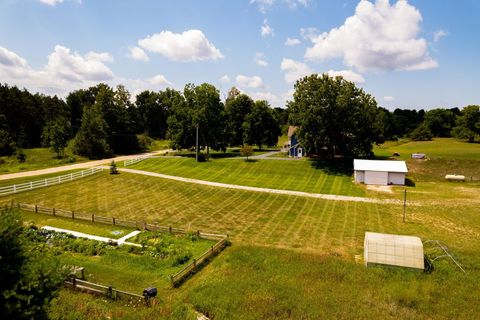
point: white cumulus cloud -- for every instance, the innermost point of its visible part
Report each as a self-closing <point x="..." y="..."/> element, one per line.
<point x="137" y="53"/>
<point x="249" y="82"/>
<point x="294" y="70"/>
<point x="260" y="59"/>
<point x="388" y="98"/>
<point x="379" y="36"/>
<point x="266" y="30"/>
<point x="159" y="80"/>
<point x="225" y="79"/>
<point x="292" y="42"/>
<point x="66" y="71"/>
<point x="190" y="45"/>
<point x="51" y="2"/>
<point x="271" y="98"/>
<point x="348" y="75"/>
<point x="439" y="34"/>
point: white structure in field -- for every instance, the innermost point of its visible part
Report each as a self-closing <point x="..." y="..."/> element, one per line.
<point x="393" y="250"/>
<point x="383" y="172"/>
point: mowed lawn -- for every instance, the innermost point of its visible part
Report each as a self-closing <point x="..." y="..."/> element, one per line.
<point x="254" y="217"/>
<point x="301" y="175"/>
<point x="444" y="156"/>
<point x="291" y="257"/>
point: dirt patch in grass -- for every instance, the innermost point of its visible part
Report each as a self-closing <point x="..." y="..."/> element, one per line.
<point x="384" y="189"/>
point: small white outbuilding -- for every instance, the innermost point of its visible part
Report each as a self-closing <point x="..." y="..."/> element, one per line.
<point x="393" y="250"/>
<point x="382" y="172"/>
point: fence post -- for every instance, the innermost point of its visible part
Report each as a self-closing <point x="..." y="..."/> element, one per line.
<point x="113" y="221"/>
<point x="58" y="179"/>
<point x="74" y="282"/>
<point x="171" y="280"/>
<point x="71" y="176"/>
<point x="212" y="249"/>
<point x="46" y="183"/>
<point x="73" y="215"/>
<point x="31" y="185"/>
<point x="53" y="211"/>
<point x="36" y="209"/>
<point x="14" y="188"/>
<point x="93" y="217"/>
<point x="170" y="229"/>
<point x="194" y="263"/>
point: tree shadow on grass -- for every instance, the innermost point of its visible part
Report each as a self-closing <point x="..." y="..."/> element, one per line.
<point x="409" y="182"/>
<point x="343" y="166"/>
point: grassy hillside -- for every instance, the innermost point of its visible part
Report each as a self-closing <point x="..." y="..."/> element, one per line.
<point x="37" y="158"/>
<point x="444" y="156"/>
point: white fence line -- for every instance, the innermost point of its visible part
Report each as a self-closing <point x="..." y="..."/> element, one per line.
<point x="129" y="162"/>
<point x="16" y="188"/>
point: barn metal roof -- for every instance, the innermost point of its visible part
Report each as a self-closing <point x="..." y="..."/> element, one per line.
<point x="380" y="165"/>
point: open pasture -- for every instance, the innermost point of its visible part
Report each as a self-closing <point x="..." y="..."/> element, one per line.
<point x="445" y="156"/>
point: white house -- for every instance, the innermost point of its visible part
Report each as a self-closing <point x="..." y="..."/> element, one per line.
<point x="383" y="172"/>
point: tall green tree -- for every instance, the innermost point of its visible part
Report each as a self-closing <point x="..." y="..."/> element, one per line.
<point x="201" y="107"/>
<point x="260" y="126"/>
<point x="237" y="107"/>
<point x="440" y="122"/>
<point x="56" y="135"/>
<point x="468" y="124"/>
<point x="91" y="139"/>
<point x="30" y="276"/>
<point x="334" y="117"/>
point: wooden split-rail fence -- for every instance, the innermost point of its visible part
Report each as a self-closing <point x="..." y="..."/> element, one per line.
<point x="175" y="279"/>
<point x="99" y="289"/>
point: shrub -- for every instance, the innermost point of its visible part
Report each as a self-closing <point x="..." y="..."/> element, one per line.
<point x="21" y="157"/>
<point x="421" y="133"/>
<point x="144" y="142"/>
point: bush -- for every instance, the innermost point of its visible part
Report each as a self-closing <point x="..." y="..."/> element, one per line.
<point x="21" y="157"/>
<point x="181" y="257"/>
<point x="421" y="133"/>
<point x="144" y="142"/>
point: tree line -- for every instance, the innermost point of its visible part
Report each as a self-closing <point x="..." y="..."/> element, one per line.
<point x="333" y="115"/>
<point x="100" y="121"/>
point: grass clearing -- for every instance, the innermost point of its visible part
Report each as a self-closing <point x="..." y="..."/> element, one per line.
<point x="288" y="175"/>
<point x="445" y="156"/>
<point x="37" y="158"/>
<point x="98" y="229"/>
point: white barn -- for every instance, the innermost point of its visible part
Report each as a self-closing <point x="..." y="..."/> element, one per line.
<point x="382" y="172"/>
<point x="393" y="250"/>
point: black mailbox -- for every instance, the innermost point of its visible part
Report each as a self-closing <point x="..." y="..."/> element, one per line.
<point x="150" y="292"/>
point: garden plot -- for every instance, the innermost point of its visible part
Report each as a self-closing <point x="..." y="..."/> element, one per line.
<point x="149" y="262"/>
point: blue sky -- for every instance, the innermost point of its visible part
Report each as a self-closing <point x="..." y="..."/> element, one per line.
<point x="408" y="54"/>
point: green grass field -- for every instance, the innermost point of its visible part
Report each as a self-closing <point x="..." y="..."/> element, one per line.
<point x="37" y="158"/>
<point x="299" y="175"/>
<point x="445" y="156"/>
<point x="291" y="257"/>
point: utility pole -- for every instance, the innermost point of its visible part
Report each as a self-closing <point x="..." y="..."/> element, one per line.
<point x="404" y="205"/>
<point x="196" y="147"/>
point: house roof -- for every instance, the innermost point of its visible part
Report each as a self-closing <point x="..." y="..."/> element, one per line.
<point x="291" y="131"/>
<point x="380" y="165"/>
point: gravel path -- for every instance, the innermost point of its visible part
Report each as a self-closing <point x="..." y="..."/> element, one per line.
<point x="97" y="238"/>
<point x="266" y="190"/>
<point x="82" y="165"/>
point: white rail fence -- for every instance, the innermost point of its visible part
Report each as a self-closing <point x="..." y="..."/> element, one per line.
<point x="129" y="162"/>
<point x="16" y="188"/>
